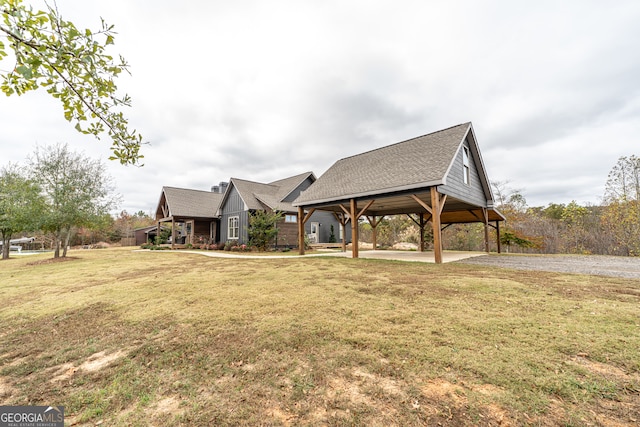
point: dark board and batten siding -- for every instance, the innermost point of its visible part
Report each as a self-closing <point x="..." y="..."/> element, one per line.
<point x="472" y="192"/>
<point x="234" y="206"/>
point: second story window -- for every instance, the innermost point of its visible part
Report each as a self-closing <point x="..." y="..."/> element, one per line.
<point x="465" y="165"/>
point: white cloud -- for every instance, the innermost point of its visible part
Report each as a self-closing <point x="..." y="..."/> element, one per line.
<point x="263" y="90"/>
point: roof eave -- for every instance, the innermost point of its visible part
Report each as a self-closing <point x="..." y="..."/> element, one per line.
<point x="370" y="194"/>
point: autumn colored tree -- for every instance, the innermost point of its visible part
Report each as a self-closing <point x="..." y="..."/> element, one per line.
<point x="622" y="213"/>
<point x="71" y="64"/>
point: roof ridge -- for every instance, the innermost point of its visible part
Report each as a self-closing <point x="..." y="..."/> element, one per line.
<point x="252" y="182"/>
<point x="407" y="140"/>
<point x="188" y="189"/>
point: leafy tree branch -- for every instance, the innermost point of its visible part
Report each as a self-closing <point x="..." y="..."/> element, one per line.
<point x="74" y="67"/>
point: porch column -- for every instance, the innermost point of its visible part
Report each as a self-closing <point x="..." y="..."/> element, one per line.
<point x="498" y="236"/>
<point x="421" y="225"/>
<point x="485" y="217"/>
<point x="374" y="230"/>
<point x="354" y="230"/>
<point x="300" y="230"/>
<point x="173" y="233"/>
<point x="435" y="222"/>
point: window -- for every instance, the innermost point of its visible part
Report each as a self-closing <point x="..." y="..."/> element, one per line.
<point x="291" y="218"/>
<point x="465" y="165"/>
<point x="234" y="227"/>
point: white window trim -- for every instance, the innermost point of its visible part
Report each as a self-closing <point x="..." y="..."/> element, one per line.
<point x="233" y="231"/>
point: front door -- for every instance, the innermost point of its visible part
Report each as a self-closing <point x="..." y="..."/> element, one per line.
<point x="314" y="235"/>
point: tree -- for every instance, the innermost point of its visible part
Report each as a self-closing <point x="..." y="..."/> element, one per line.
<point x="622" y="213"/>
<point x="623" y="181"/>
<point x="20" y="205"/>
<point x="74" y="67"/>
<point x="78" y="191"/>
<point x="262" y="228"/>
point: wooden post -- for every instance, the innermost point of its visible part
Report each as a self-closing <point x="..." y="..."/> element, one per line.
<point x="498" y="236"/>
<point x="374" y="230"/>
<point x="422" y="224"/>
<point x="485" y="214"/>
<point x="435" y="222"/>
<point x="300" y="230"/>
<point x="354" y="229"/>
<point x="342" y="219"/>
<point x="374" y="234"/>
<point x="173" y="233"/>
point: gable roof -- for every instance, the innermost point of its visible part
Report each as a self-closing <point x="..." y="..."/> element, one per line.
<point x="257" y="195"/>
<point x="183" y="202"/>
<point x="416" y="163"/>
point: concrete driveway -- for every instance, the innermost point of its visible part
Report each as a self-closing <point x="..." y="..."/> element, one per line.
<point x="447" y="256"/>
<point x="414" y="256"/>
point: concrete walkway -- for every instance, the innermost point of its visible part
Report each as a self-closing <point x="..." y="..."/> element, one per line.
<point x="411" y="256"/>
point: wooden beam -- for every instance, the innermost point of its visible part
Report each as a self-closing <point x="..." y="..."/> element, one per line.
<point x="346" y="211"/>
<point x="300" y="230"/>
<point x="435" y="222"/>
<point x="421" y="203"/>
<point x="308" y="215"/>
<point x="413" y="219"/>
<point x="354" y="230"/>
<point x="364" y="209"/>
<point x="443" y="200"/>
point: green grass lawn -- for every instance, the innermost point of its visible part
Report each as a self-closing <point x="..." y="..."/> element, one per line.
<point x="170" y="338"/>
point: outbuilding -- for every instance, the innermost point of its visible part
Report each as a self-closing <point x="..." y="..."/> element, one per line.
<point x="438" y="178"/>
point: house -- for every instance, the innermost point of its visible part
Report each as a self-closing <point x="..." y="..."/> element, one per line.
<point x="189" y="214"/>
<point x="222" y="214"/>
<point x="438" y="178"/>
<point x="243" y="197"/>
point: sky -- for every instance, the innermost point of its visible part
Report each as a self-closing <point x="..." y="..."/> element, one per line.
<point x="265" y="90"/>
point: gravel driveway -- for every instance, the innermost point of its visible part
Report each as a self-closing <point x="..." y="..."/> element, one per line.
<point x="599" y="265"/>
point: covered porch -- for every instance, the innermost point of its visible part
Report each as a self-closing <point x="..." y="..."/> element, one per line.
<point x="424" y="206"/>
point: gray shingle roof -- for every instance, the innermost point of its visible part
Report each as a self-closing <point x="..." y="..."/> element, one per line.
<point x="256" y="194"/>
<point x="421" y="161"/>
<point x="183" y="202"/>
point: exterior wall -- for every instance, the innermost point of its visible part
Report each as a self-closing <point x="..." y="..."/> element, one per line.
<point x="288" y="231"/>
<point x="472" y="192"/>
<point x="234" y="206"/>
<point x="326" y="220"/>
<point x="287" y="234"/>
<point x="141" y="235"/>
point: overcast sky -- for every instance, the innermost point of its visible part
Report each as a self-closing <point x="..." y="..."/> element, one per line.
<point x="265" y="90"/>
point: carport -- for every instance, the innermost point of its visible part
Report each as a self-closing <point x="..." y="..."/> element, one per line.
<point x="438" y="178"/>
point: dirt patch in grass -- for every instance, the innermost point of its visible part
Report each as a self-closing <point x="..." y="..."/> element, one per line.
<point x="52" y="260"/>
